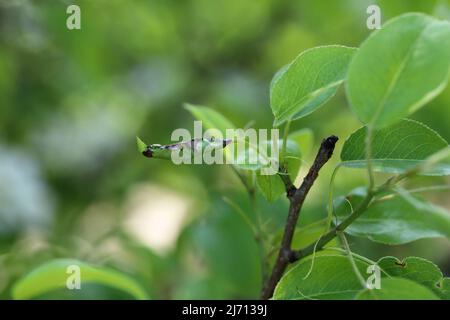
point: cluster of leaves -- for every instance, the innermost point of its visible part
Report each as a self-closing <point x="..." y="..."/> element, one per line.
<point x="334" y="278"/>
<point x="396" y="71"/>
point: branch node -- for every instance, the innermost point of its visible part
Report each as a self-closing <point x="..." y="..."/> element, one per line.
<point x="293" y="256"/>
<point x="291" y="191"/>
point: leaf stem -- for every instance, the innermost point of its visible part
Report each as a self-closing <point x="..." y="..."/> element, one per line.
<point x="241" y="214"/>
<point x="285" y="138"/>
<point x="241" y="177"/>
<point x="344" y="241"/>
<point x="368" y="143"/>
<point x="330" y="207"/>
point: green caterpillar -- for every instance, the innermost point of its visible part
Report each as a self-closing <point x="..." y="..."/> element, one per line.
<point x="165" y="151"/>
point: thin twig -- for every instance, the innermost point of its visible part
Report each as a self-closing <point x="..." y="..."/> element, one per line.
<point x="285" y="139"/>
<point x="288" y="184"/>
<point x="435" y="158"/>
<point x="296" y="255"/>
<point x="365" y="203"/>
<point x="296" y="198"/>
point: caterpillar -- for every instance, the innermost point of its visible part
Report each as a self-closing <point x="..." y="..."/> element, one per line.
<point x="159" y="151"/>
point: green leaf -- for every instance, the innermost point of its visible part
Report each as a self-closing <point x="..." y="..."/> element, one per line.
<point x="211" y="119"/>
<point x="228" y="252"/>
<point x="278" y="75"/>
<point x="399" y="68"/>
<point x="140" y="145"/>
<point x="413" y="268"/>
<point x="53" y="275"/>
<point x="397" y="289"/>
<point x="303" y="237"/>
<point x="251" y="157"/>
<point x="418" y="270"/>
<point x="306" y="235"/>
<point x="397" y="148"/>
<point x="308" y="82"/>
<point x="332" y="277"/>
<point x="395" y="219"/>
<point x="272" y="186"/>
<point x="304" y="139"/>
<point x="444" y="288"/>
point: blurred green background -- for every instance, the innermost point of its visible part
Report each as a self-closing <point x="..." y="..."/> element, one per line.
<point x="72" y="183"/>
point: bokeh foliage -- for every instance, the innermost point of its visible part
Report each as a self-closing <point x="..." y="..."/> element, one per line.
<point x="71" y="103"/>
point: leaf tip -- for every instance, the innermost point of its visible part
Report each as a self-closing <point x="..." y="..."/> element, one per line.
<point x="140" y="145"/>
<point x="188" y="106"/>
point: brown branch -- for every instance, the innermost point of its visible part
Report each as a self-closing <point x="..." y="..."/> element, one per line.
<point x="296" y="198"/>
<point x="288" y="185"/>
